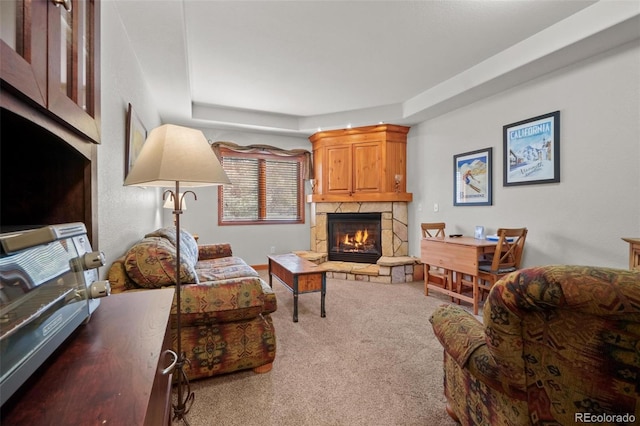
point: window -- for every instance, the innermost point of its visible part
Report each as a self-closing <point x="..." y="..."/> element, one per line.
<point x="265" y="188"/>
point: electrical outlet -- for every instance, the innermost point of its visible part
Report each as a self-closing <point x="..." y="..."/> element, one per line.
<point x="436" y="207"/>
<point x="273" y="249"/>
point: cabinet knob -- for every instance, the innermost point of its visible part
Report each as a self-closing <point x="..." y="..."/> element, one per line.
<point x="65" y="3"/>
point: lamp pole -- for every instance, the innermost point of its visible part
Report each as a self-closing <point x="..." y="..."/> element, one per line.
<point x="180" y="408"/>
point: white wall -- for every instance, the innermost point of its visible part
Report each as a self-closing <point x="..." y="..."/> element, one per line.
<point x="127" y="213"/>
<point x="124" y="213"/>
<point x="251" y="242"/>
<point x="577" y="221"/>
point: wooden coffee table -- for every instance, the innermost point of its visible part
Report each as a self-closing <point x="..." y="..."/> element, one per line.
<point x="298" y="275"/>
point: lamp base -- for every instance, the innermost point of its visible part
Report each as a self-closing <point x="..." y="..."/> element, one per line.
<point x="185" y="395"/>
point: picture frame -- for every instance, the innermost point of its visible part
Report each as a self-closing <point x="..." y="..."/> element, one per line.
<point x="135" y="138"/>
<point x="472" y="178"/>
<point x="532" y="150"/>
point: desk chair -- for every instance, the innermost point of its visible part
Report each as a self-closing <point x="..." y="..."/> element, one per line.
<point x="438" y="276"/>
<point x="505" y="259"/>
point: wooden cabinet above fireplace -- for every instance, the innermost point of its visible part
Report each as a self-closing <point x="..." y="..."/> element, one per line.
<point x="360" y="164"/>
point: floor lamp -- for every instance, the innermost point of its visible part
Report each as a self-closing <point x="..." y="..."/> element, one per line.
<point x="175" y="156"/>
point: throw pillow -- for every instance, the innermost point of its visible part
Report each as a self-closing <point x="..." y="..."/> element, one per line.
<point x="151" y="263"/>
<point x="188" y="244"/>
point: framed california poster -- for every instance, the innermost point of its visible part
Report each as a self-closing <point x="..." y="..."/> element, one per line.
<point x="472" y="178"/>
<point x="532" y="150"/>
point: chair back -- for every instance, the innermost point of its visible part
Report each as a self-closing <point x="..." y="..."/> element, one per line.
<point x="434" y="229"/>
<point x="508" y="254"/>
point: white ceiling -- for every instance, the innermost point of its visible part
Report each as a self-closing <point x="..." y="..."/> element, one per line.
<point x="293" y="67"/>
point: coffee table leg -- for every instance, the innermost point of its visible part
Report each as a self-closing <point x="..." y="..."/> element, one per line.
<point x="295" y="299"/>
<point x="323" y="292"/>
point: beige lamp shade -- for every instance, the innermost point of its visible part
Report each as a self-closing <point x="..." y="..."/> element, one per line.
<point x="169" y="203"/>
<point x="176" y="154"/>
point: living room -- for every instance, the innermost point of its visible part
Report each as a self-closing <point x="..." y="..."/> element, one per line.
<point x="579" y="220"/>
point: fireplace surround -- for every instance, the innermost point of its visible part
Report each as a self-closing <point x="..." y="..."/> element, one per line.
<point x="393" y="225"/>
<point x="394" y="266"/>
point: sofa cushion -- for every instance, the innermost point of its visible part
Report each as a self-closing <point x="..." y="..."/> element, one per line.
<point x="223" y="269"/>
<point x="188" y="244"/>
<point x="151" y="263"/>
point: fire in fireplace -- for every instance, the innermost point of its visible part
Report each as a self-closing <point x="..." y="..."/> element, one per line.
<point x="354" y="237"/>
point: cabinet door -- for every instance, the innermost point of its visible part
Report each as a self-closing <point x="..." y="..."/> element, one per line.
<point x="339" y="168"/>
<point x="23" y="52"/>
<point x="367" y="161"/>
<point x="73" y="49"/>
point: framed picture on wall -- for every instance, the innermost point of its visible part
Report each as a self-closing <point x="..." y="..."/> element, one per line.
<point x="135" y="138"/>
<point x="532" y="150"/>
<point x="472" y="180"/>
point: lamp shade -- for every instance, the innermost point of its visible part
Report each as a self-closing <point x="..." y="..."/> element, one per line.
<point x="176" y="154"/>
<point x="169" y="203"/>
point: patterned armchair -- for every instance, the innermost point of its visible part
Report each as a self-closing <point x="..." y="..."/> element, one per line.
<point x="559" y="345"/>
<point x="226" y="306"/>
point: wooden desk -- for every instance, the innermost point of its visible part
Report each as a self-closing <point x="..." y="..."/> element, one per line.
<point x="108" y="372"/>
<point x="299" y="276"/>
<point x="634" y="253"/>
<point x="459" y="254"/>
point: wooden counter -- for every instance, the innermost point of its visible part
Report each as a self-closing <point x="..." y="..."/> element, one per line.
<point x="108" y="372"/>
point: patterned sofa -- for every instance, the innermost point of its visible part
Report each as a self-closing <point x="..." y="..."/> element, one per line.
<point x="226" y="324"/>
<point x="560" y="345"/>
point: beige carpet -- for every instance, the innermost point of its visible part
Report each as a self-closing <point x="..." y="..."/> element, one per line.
<point x="372" y="360"/>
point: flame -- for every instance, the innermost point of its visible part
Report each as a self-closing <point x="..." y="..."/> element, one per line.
<point x="361" y="236"/>
<point x="358" y="239"/>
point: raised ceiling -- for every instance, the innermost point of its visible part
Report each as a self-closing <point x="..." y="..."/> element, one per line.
<point x="293" y="67"/>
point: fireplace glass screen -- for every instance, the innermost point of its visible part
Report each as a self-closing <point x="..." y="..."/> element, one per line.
<point x="354" y="237"/>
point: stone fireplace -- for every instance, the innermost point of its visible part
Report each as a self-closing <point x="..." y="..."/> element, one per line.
<point x="393" y="266"/>
<point x="393" y="224"/>
<point x="360" y="172"/>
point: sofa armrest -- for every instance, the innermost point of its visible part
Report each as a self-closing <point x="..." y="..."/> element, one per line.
<point x="214" y="251"/>
<point x="463" y="338"/>
<point x="458" y="331"/>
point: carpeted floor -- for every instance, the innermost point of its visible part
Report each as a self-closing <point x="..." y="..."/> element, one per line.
<point x="372" y="360"/>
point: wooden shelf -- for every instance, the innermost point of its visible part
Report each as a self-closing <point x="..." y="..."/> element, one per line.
<point x="360" y="197"/>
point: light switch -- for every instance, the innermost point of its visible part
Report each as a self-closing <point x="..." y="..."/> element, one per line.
<point x="436" y="207"/>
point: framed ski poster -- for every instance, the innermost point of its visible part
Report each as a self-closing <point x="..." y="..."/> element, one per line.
<point x="472" y="178"/>
<point x="532" y="150"/>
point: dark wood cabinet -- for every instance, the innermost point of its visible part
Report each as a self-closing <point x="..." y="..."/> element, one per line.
<point x="109" y="372"/>
<point x="360" y="164"/>
<point x="50" y="58"/>
<point x="50" y="112"/>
